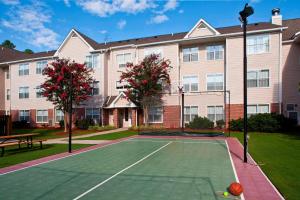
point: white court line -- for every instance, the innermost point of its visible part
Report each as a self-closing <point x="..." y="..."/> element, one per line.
<point x="233" y="167"/>
<point x="175" y="141"/>
<point x="116" y="174"/>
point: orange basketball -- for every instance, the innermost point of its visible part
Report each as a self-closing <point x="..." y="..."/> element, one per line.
<point x="235" y="189"/>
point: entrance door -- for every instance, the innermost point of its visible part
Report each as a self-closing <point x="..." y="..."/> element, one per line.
<point x="126" y="117"/>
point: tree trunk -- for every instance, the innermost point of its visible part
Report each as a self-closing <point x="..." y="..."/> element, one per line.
<point x="65" y="122"/>
<point x="146" y="115"/>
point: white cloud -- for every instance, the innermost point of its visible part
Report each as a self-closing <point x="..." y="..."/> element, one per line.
<point x="103" y="31"/>
<point x="170" y="5"/>
<point x="104" y="8"/>
<point x="30" y="21"/>
<point x="10" y="2"/>
<point x="121" y="24"/>
<point x="67" y="3"/>
<point x="158" y="19"/>
<point x="181" y="11"/>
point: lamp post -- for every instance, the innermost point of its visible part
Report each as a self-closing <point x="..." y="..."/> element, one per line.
<point x="244" y="14"/>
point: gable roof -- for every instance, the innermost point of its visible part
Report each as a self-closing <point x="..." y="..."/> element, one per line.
<point x="201" y="21"/>
<point x="293" y="28"/>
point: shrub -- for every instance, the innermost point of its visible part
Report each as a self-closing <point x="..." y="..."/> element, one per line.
<point x="101" y="128"/>
<point x="220" y="123"/>
<point x="61" y="123"/>
<point x="200" y="123"/>
<point x="265" y="122"/>
<point x="84" y="123"/>
<point x="20" y="124"/>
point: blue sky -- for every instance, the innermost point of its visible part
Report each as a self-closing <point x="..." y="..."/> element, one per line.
<point x="43" y="25"/>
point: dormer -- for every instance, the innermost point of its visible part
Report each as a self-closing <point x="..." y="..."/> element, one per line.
<point x="201" y="29"/>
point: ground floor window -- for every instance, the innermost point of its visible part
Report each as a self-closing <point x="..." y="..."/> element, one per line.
<point x="215" y="113"/>
<point x="59" y="115"/>
<point x="42" y="116"/>
<point x="190" y="112"/>
<point x="256" y="109"/>
<point x="93" y="113"/>
<point x="155" y="115"/>
<point x="24" y="115"/>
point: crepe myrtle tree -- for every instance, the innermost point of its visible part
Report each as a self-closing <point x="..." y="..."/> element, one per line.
<point x="67" y="81"/>
<point x="146" y="82"/>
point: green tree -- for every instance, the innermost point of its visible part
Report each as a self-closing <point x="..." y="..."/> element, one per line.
<point x="8" y="44"/>
<point x="29" y="51"/>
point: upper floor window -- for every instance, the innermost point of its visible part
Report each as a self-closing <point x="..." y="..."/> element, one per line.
<point x="23" y="69"/>
<point x="123" y="59"/>
<point x="59" y="115"/>
<point x="190" y="83"/>
<point x="255" y="109"/>
<point x="95" y="88"/>
<point x="92" y="61"/>
<point x="215" y="82"/>
<point x="8" y="94"/>
<point x="24" y="115"/>
<point x="258" y="78"/>
<point x="93" y="113"/>
<point x="190" y="112"/>
<point x="158" y="52"/>
<point x="121" y="85"/>
<point x="39" y="92"/>
<point x="258" y="44"/>
<point x="40" y="66"/>
<point x="215" y="113"/>
<point x="215" y="52"/>
<point x="23" y="92"/>
<point x="190" y="54"/>
<point x="7" y="74"/>
<point x="155" y="115"/>
<point x="42" y="116"/>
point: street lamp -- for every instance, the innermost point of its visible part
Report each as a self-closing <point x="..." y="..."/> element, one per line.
<point x="244" y="14"/>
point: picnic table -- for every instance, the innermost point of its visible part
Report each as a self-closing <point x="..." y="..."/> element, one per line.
<point x="18" y="139"/>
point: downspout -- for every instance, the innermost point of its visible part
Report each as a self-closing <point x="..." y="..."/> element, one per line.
<point x="280" y="73"/>
<point x="179" y="75"/>
<point x="225" y="83"/>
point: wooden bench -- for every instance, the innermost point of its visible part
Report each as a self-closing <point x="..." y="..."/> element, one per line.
<point x="7" y="144"/>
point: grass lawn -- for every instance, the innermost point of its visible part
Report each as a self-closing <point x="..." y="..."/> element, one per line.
<point x="111" y="136"/>
<point x="14" y="156"/>
<point x="279" y="157"/>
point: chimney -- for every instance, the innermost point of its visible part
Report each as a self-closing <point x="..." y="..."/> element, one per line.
<point x="276" y="17"/>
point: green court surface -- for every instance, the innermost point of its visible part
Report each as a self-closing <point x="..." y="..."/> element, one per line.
<point x="133" y="169"/>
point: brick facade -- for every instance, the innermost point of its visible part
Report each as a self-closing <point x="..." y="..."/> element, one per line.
<point x="171" y="116"/>
<point x="116" y="118"/>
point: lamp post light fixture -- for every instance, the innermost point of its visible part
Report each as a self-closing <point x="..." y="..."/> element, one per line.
<point x="244" y="14"/>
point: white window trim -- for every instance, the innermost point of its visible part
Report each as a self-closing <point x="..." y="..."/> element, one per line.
<point x="98" y="62"/>
<point x="162" y="116"/>
<point x="190" y="54"/>
<point x="153" y="50"/>
<point x="269" y="52"/>
<point x="36" y="67"/>
<point x="206" y="58"/>
<point x="55" y="115"/>
<point x="23" y="70"/>
<point x="24" y="93"/>
<point x="214" y="74"/>
<point x="215" y="111"/>
<point x="93" y="111"/>
<point x="36" y="115"/>
<point x="258" y="70"/>
<point x="259" y="104"/>
<point x="123" y="54"/>
<point x="187" y="75"/>
<point x="28" y="115"/>
<point x="190" y="105"/>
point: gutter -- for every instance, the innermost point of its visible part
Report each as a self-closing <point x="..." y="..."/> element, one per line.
<point x="29" y="59"/>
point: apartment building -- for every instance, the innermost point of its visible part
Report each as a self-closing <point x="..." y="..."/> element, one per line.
<point x="207" y="62"/>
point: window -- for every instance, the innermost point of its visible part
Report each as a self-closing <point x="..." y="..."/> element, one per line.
<point x="93" y="113"/>
<point x="290" y="107"/>
<point x="190" y="112"/>
<point x="293" y="115"/>
<point x="190" y="83"/>
<point x="92" y="61"/>
<point x="256" y="109"/>
<point x="215" y="52"/>
<point x="23" y="92"/>
<point x="8" y="94"/>
<point x="24" y="115"/>
<point x="95" y="88"/>
<point x="155" y="115"/>
<point x="59" y="115"/>
<point x="40" y="66"/>
<point x="121" y="85"/>
<point x="148" y="52"/>
<point x="214" y="82"/>
<point x="258" y="44"/>
<point x="258" y="78"/>
<point x="23" y="69"/>
<point x="42" y="116"/>
<point x="190" y="54"/>
<point x="7" y="74"/>
<point x="39" y="92"/>
<point x="123" y="59"/>
<point x="215" y="113"/>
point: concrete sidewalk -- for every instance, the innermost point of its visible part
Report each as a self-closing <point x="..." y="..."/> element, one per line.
<point x="65" y="139"/>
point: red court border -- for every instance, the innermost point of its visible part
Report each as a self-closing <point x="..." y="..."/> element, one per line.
<point x="256" y="184"/>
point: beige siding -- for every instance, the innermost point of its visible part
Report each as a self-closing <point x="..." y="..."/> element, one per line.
<point x="198" y="32"/>
<point x="2" y="89"/>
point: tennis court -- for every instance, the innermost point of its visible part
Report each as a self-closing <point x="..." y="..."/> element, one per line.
<point x="137" y="168"/>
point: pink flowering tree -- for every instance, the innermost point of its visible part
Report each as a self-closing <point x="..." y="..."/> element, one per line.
<point x="65" y="79"/>
<point x="146" y="82"/>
